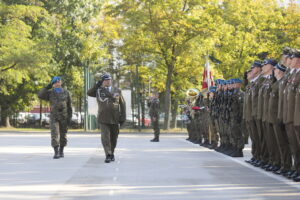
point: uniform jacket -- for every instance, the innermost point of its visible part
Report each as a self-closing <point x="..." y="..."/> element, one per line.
<point x="273" y="103"/>
<point x="260" y="102"/>
<point x="297" y="107"/>
<point x="236" y="112"/>
<point x="282" y="100"/>
<point x="60" y="103"/>
<point x="248" y="102"/>
<point x="292" y="85"/>
<point x="153" y="105"/>
<point x="254" y="96"/>
<point x="111" y="105"/>
<point x="266" y="95"/>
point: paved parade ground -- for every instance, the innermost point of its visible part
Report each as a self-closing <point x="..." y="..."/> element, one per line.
<point x="173" y="169"/>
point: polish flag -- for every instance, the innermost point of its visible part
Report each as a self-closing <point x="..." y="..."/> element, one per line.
<point x="207" y="76"/>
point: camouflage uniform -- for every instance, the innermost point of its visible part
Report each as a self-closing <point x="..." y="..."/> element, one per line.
<point x="153" y="105"/>
<point x="237" y="138"/>
<point x="60" y="116"/>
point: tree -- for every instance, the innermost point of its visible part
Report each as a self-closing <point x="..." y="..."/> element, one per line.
<point x="24" y="55"/>
<point x="166" y="29"/>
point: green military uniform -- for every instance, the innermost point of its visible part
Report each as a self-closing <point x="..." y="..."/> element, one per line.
<point x="214" y="138"/>
<point x="272" y="144"/>
<point x="197" y="130"/>
<point x="60" y="116"/>
<point x="111" y="113"/>
<point x="278" y="127"/>
<point x="204" y="120"/>
<point x="153" y="105"/>
<point x="297" y="121"/>
<point x="236" y="113"/>
<point x="250" y="123"/>
<point x="256" y="110"/>
<point x="289" y="93"/>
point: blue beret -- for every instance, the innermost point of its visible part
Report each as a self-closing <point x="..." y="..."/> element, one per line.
<point x="237" y="80"/>
<point x="280" y="67"/>
<point x="218" y="81"/>
<point x="55" y="79"/>
<point x="270" y="61"/>
<point x="212" y="89"/>
<point x="106" y="77"/>
<point x="256" y="64"/>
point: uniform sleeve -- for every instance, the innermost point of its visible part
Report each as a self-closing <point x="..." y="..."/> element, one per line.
<point x="44" y="94"/>
<point x="122" y="109"/>
<point x="69" y="106"/>
<point x="92" y="91"/>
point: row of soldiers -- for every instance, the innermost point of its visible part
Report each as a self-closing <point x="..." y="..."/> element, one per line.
<point x="272" y="114"/>
<point x="218" y="118"/>
<point x="268" y="111"/>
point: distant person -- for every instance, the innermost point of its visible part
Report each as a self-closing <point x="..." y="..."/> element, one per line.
<point x="111" y="113"/>
<point x="60" y="116"/>
<point x="153" y="105"/>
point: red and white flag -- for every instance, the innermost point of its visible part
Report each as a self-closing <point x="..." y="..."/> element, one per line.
<point x="207" y="76"/>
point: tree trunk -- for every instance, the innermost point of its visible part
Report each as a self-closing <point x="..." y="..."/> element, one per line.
<point x="143" y="105"/>
<point x="4" y="118"/>
<point x="168" y="98"/>
<point x="174" y="114"/>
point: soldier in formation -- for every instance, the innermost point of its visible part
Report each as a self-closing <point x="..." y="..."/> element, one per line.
<point x="213" y="118"/>
<point x="271" y="113"/>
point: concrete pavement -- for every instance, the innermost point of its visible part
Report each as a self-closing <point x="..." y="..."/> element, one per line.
<point x="171" y="169"/>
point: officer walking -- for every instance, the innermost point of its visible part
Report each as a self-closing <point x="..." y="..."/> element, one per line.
<point x="111" y="113"/>
<point x="153" y="105"/>
<point x="60" y="116"/>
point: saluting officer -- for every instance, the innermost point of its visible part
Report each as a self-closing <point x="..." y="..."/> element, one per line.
<point x="60" y="116"/>
<point x="111" y="113"/>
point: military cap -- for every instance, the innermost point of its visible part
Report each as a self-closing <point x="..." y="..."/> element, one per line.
<point x="217" y="81"/>
<point x="296" y="53"/>
<point x="55" y="79"/>
<point x="269" y="61"/>
<point x="106" y="77"/>
<point x="256" y="64"/>
<point x="280" y="67"/>
<point x="237" y="80"/>
<point x="212" y="89"/>
<point x="286" y="51"/>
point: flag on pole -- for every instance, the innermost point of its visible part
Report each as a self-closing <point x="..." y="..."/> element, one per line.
<point x="207" y="76"/>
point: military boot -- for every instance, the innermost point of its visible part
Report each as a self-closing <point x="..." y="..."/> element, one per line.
<point x="112" y="157"/>
<point x="107" y="159"/>
<point x="56" y="153"/>
<point x="237" y="153"/>
<point x="61" y="152"/>
<point x="155" y="139"/>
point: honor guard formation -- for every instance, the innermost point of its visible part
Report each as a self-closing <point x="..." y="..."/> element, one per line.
<point x="268" y="111"/>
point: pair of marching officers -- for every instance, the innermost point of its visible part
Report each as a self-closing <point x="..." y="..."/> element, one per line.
<point x="111" y="113"/>
<point x="272" y="114"/>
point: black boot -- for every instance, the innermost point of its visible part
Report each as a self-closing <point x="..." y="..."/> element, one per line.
<point x="112" y="157"/>
<point x="56" y="154"/>
<point x="237" y="153"/>
<point x="61" y="152"/>
<point x="107" y="159"/>
<point x="155" y="139"/>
